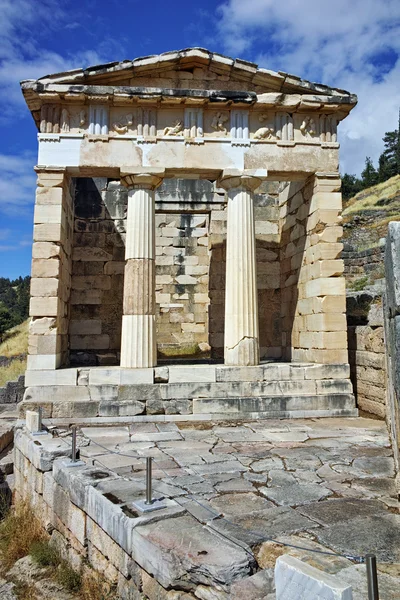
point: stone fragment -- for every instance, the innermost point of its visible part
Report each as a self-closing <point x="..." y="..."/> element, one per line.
<point x="255" y="587"/>
<point x="295" y="580"/>
<point x="297" y="494"/>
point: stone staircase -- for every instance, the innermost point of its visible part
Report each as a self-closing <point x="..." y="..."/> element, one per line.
<point x="193" y="392"/>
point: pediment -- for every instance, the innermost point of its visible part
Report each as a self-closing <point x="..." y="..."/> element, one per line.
<point x="193" y="68"/>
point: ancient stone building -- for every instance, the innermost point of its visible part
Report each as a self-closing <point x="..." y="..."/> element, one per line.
<point x="188" y="207"/>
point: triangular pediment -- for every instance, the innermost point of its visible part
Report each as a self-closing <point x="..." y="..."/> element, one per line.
<point x="193" y="68"/>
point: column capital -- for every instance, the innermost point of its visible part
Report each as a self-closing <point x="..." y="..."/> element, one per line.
<point x="148" y="179"/>
<point x="250" y="179"/>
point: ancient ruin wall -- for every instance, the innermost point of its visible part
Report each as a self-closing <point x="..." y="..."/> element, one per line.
<point x="313" y="288"/>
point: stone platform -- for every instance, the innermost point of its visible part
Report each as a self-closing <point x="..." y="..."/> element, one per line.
<point x="192" y="392"/>
<point x="317" y="484"/>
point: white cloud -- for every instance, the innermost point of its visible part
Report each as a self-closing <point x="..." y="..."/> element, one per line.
<point x="17" y="184"/>
<point x="354" y="46"/>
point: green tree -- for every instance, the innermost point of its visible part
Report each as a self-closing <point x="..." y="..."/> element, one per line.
<point x="5" y="321"/>
<point x="351" y="185"/>
<point x="369" y="175"/>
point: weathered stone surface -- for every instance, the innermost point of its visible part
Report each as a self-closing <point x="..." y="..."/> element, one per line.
<point x="297" y="494"/>
<point x="296" y="580"/>
<point x="255" y="587"/>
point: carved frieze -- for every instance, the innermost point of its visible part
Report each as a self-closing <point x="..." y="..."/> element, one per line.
<point x="147" y="122"/>
<point x="239" y="126"/>
<point x="123" y="124"/>
<point x="284" y="127"/>
<point x="328" y="128"/>
<point x="193" y="122"/>
<point x="176" y="129"/>
<point x="219" y="121"/>
<point x="98" y="119"/>
<point x="267" y="132"/>
<point x="308" y="127"/>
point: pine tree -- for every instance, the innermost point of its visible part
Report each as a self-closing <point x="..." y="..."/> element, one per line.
<point x="351" y="185"/>
<point x="369" y="175"/>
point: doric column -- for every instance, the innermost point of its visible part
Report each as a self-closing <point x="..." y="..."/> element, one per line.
<point x="241" y="306"/>
<point x="138" y="343"/>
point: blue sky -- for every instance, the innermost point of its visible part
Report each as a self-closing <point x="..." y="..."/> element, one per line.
<point x="353" y="45"/>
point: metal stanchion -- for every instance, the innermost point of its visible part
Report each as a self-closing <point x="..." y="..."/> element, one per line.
<point x="372" y="577"/>
<point x="148" y="480"/>
<point x="150" y="503"/>
<point x="74" y="462"/>
<point x="73" y="457"/>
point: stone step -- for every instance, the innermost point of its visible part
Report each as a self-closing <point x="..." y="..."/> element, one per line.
<point x="282" y="404"/>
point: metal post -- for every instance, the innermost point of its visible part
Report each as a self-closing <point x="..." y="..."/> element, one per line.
<point x="149" y="499"/>
<point x="73" y="458"/>
<point x="40" y="416"/>
<point x="372" y="577"/>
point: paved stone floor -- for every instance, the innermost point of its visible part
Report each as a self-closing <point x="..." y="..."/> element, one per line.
<point x="323" y="484"/>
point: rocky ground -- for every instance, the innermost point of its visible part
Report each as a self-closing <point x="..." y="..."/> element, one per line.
<point x="320" y="484"/>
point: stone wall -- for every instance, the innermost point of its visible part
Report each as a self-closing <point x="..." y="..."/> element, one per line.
<point x="51" y="270"/>
<point x="367" y="356"/>
<point x="363" y="263"/>
<point x="312" y="286"/>
<point x="13" y="391"/>
<point x="392" y="330"/>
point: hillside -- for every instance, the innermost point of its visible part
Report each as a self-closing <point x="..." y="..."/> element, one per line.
<point x="13" y="350"/>
<point x="367" y="214"/>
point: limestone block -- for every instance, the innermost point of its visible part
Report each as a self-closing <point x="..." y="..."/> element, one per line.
<point x="90" y="342"/>
<point x="44" y="344"/>
<point x="41" y="362"/>
<point x="326" y="200"/>
<point x="326" y="268"/>
<point x="44" y="286"/>
<point x="87" y="282"/>
<point x="45" y="267"/>
<point x="371" y="406"/>
<point x="198" y="373"/>
<point x="326" y="322"/>
<point x="52" y="213"/>
<point x="45" y="250"/>
<point x="193" y="327"/>
<point x="91" y="254"/>
<point x="329" y="234"/>
<point x="295" y="579"/>
<point x="325" y="286"/>
<point x="49" y="196"/>
<point x="32" y="420"/>
<point x="86" y="296"/>
<point x="114" y="268"/>
<point x="335" y="386"/>
<point x="47" y="232"/>
<point x="52" y="377"/>
<point x="327" y="371"/>
<point x="323" y="217"/>
<point x="325" y="356"/>
<point x="323" y="252"/>
<point x="45" y="394"/>
<point x="325" y="340"/>
<point x="44" y="307"/>
<point x="85" y="327"/>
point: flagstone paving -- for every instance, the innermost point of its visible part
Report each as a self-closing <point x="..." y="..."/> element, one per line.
<point x="325" y="484"/>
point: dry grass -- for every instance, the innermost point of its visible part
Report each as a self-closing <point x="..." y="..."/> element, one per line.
<point x="94" y="587"/>
<point x="12" y="371"/>
<point x="15" y="340"/>
<point x="18" y="532"/>
<point x="387" y="192"/>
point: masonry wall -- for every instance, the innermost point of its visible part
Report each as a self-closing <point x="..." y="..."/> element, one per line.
<point x="313" y="288"/>
<point x="367" y="353"/>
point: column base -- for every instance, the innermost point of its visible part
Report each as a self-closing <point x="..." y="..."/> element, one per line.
<point x="138" y="346"/>
<point x="246" y="353"/>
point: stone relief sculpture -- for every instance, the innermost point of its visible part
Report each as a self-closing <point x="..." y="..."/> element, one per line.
<point x="56" y="119"/>
<point x="218" y="122"/>
<point x="122" y="126"/>
<point x="82" y="118"/>
<point x="328" y="128"/>
<point x="264" y="133"/>
<point x="64" y="121"/>
<point x="175" y="130"/>
<point x="308" y="127"/>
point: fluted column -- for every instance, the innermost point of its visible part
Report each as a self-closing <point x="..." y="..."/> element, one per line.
<point x="138" y="341"/>
<point x="241" y="306"/>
